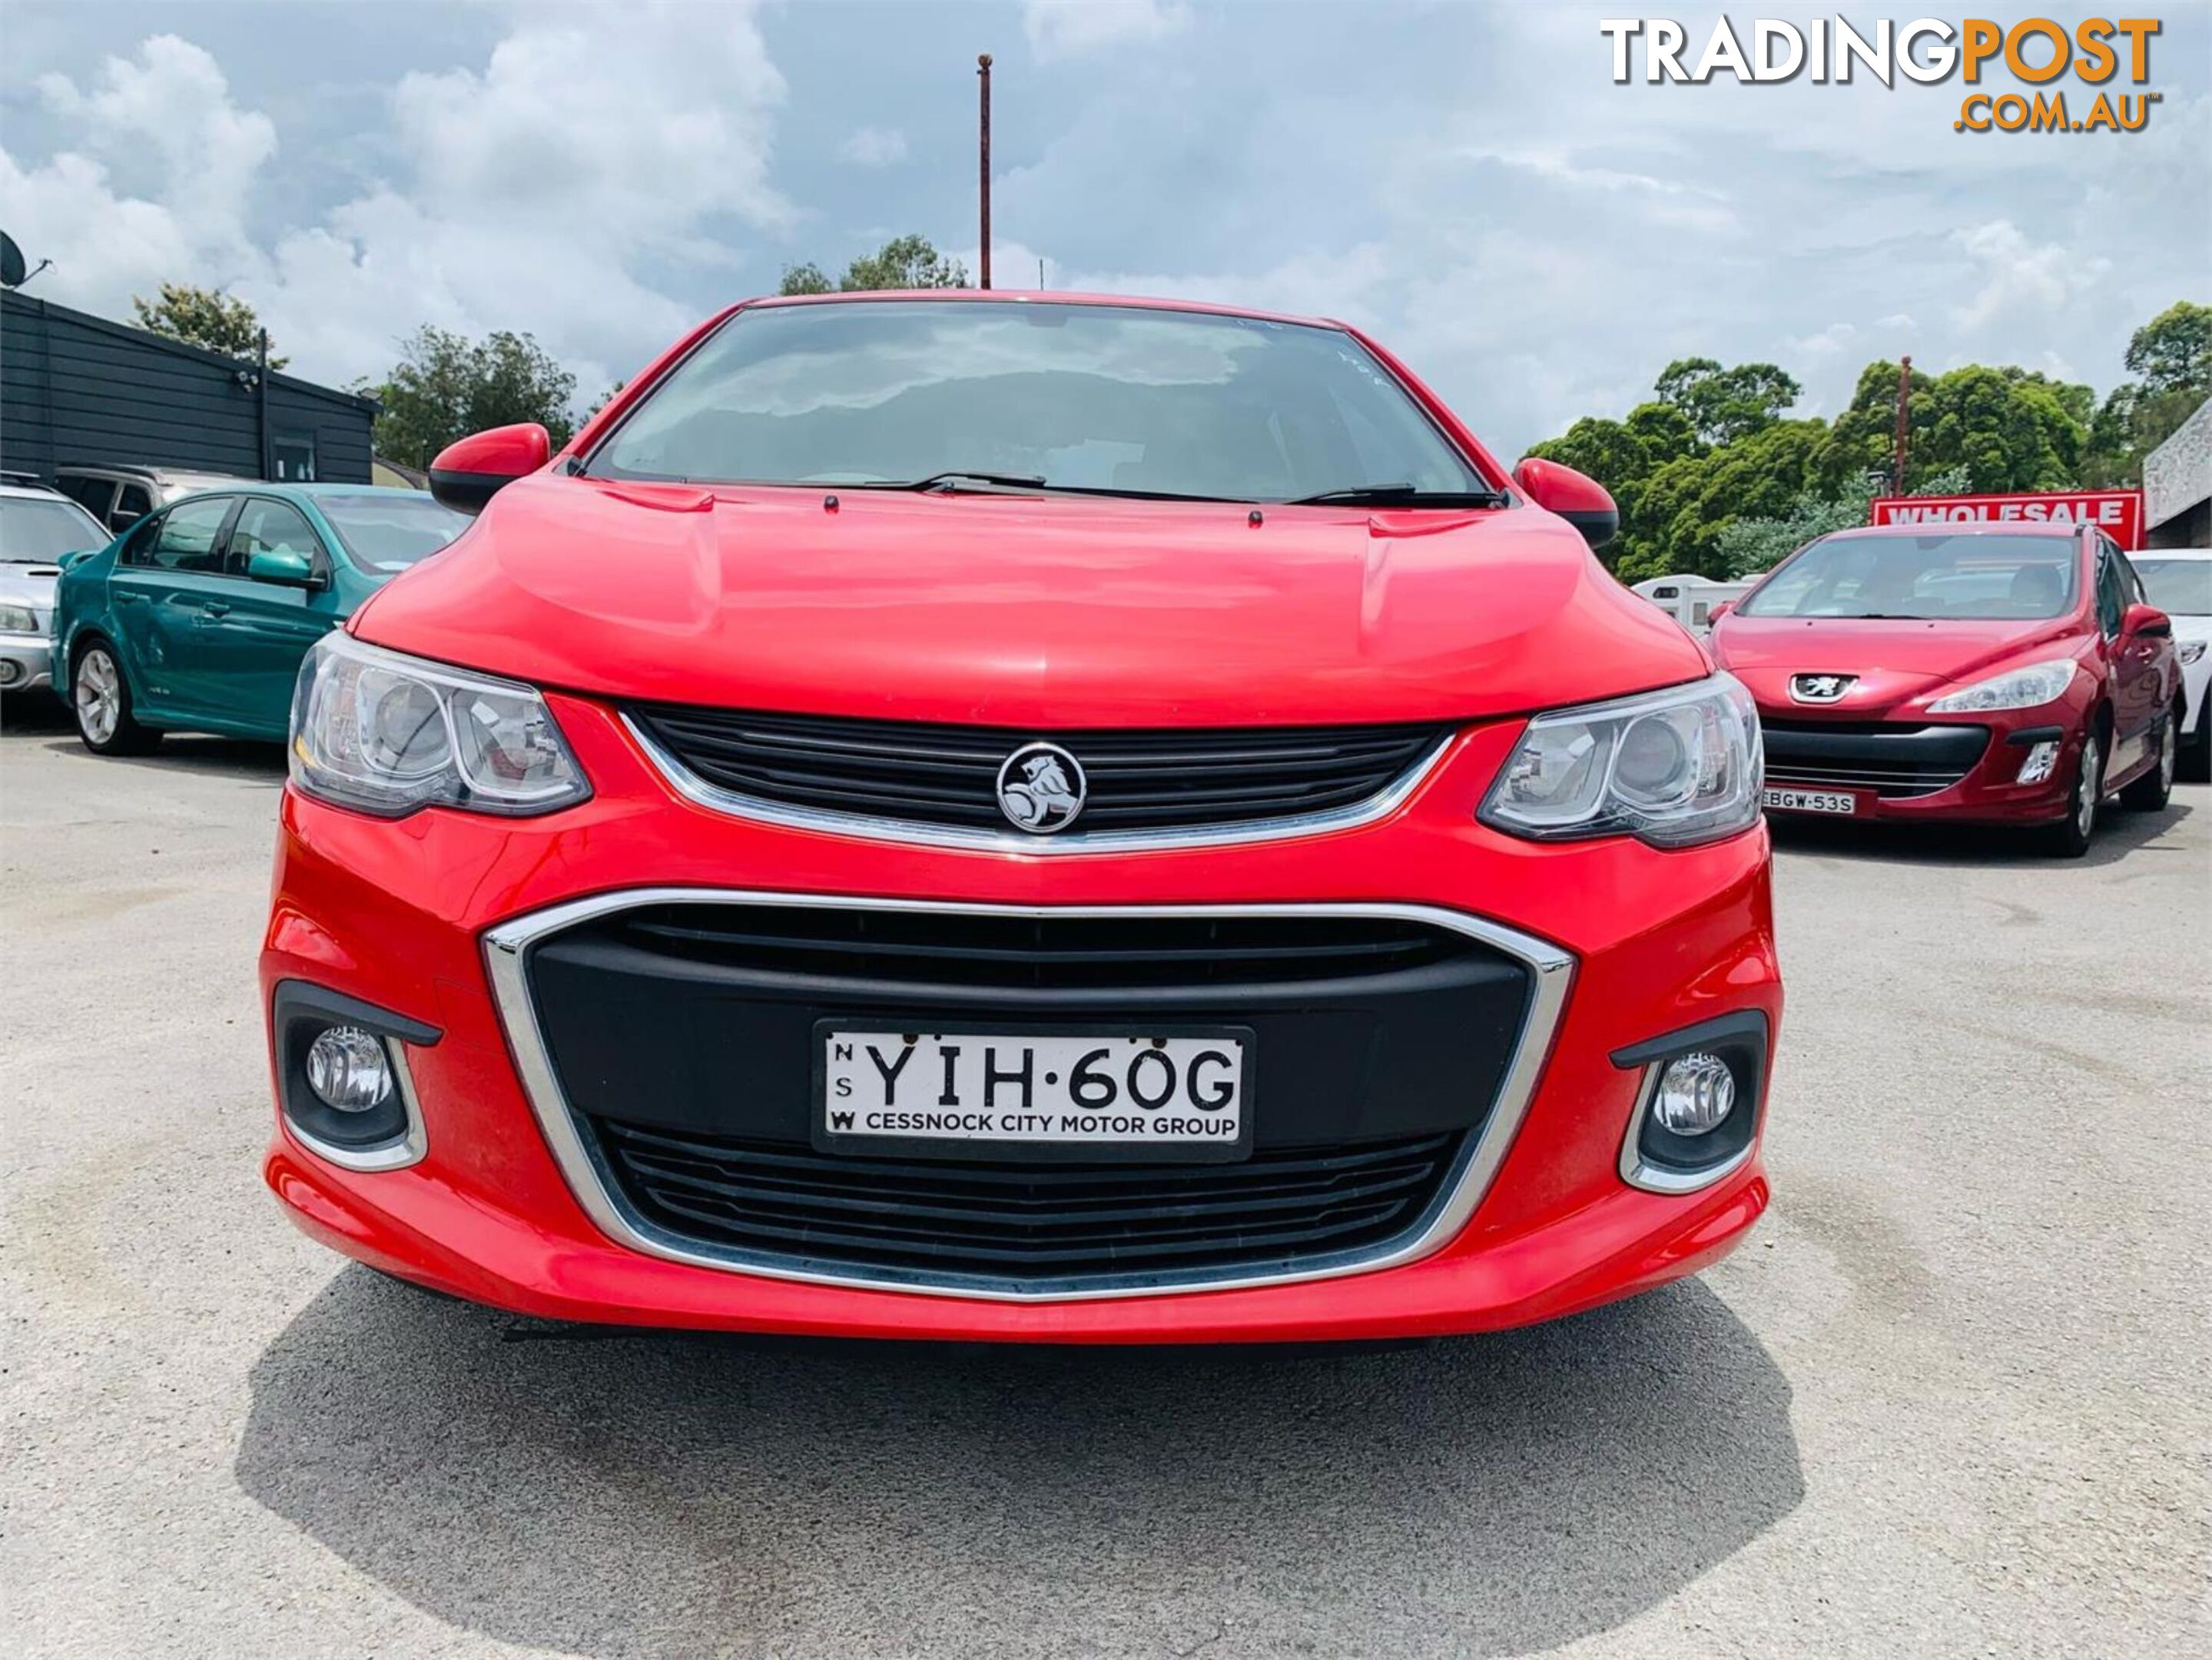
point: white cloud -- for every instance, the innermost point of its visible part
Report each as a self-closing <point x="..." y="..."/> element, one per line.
<point x="2019" y="280"/>
<point x="190" y="156"/>
<point x="540" y="194"/>
<point x="1071" y="28"/>
<point x="875" y="146"/>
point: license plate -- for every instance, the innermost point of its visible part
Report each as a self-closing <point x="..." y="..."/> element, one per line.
<point x="1836" y="801"/>
<point x="1069" y="1094"/>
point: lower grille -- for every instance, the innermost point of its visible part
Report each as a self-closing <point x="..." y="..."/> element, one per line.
<point x="996" y="1220"/>
<point x="1893" y="761"/>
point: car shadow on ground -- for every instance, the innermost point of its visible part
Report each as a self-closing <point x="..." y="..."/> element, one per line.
<point x="34" y="715"/>
<point x="2121" y="832"/>
<point x="604" y="1492"/>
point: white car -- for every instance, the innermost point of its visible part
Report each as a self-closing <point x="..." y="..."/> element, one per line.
<point x="2178" y="582"/>
<point x="36" y="527"/>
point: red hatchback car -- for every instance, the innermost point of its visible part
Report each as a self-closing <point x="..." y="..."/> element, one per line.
<point x="2011" y="674"/>
<point x="986" y="816"/>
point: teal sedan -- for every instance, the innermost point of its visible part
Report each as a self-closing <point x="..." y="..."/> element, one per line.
<point x="195" y="618"/>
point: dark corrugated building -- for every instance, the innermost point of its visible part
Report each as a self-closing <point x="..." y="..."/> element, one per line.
<point x="76" y="388"/>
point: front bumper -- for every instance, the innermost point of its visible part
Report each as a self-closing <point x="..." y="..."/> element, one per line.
<point x="408" y="916"/>
<point x="1910" y="767"/>
<point x="26" y="662"/>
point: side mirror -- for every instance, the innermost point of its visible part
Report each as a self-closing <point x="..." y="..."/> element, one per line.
<point x="1576" y="497"/>
<point x="74" y="557"/>
<point x="471" y="471"/>
<point x="1720" y="610"/>
<point x="285" y="568"/>
<point x="2146" y="623"/>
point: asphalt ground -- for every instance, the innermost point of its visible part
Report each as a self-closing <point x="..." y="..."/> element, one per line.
<point x="1952" y="1398"/>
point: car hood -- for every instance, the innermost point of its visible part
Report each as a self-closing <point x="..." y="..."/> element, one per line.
<point x="1892" y="660"/>
<point x="28" y="584"/>
<point x="1019" y="610"/>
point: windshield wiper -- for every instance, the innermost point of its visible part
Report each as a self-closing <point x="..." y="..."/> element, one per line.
<point x="1397" y="495"/>
<point x="957" y="476"/>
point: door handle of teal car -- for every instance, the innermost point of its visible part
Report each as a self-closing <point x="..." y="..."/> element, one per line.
<point x="130" y="599"/>
<point x="215" y="608"/>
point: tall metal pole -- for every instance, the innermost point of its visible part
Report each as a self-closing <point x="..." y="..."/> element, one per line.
<point x="983" y="73"/>
<point x="1903" y="393"/>
<point x="261" y="399"/>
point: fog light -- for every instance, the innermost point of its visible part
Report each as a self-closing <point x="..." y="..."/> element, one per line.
<point x="347" y="1068"/>
<point x="2041" y="759"/>
<point x="10" y="672"/>
<point x="1697" y="1092"/>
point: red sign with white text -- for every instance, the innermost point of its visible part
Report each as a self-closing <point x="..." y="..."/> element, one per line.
<point x="2118" y="514"/>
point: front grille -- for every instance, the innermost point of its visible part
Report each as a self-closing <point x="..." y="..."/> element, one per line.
<point x="1894" y="762"/>
<point x="683" y="1037"/>
<point x="997" y="1220"/>
<point x="930" y="950"/>
<point x="948" y="775"/>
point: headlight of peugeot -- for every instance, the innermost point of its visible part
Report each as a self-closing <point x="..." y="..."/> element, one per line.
<point x="1675" y="766"/>
<point x="20" y="619"/>
<point x="2016" y="689"/>
<point x="385" y="733"/>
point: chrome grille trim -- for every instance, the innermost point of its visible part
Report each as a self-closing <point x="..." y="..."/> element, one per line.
<point x="758" y="809"/>
<point x="507" y="949"/>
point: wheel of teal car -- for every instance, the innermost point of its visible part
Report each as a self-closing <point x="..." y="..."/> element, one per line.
<point x="101" y="698"/>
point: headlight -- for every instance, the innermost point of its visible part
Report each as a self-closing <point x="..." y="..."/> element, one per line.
<point x="388" y="734"/>
<point x="2191" y="650"/>
<point x="2016" y="689"/>
<point x="1675" y="766"/>
<point x="20" y="619"/>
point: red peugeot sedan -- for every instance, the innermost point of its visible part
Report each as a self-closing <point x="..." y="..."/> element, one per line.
<point x="1016" y="817"/>
<point x="2007" y="674"/>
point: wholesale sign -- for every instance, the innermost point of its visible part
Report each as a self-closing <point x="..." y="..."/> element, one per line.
<point x="2118" y="514"/>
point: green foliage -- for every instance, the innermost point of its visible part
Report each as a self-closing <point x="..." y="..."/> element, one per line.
<point x="806" y="279"/>
<point x="205" y="318"/>
<point x="446" y="387"/>
<point x="1748" y="546"/>
<point x="1724" y="404"/>
<point x="2173" y="353"/>
<point x="1710" y="478"/>
<point x="2007" y="428"/>
<point x="904" y="262"/>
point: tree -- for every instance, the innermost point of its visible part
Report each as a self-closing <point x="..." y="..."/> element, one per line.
<point x="904" y="262"/>
<point x="2009" y="430"/>
<point x="206" y="318"/>
<point x="806" y="279"/>
<point x="1725" y="405"/>
<point x="2172" y="352"/>
<point x="446" y="387"/>
<point x="1749" y="546"/>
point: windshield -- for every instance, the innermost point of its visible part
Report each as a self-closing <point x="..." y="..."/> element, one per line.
<point x="38" y="530"/>
<point x="2180" y="588"/>
<point x="1108" y="399"/>
<point x="1967" y="577"/>
<point x="386" y="533"/>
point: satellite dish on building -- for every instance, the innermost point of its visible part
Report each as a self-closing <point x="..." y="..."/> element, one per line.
<point x="12" y="269"/>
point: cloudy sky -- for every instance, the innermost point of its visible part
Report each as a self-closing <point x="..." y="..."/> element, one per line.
<point x="1463" y="177"/>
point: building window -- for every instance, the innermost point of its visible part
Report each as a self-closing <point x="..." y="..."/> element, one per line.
<point x="295" y="456"/>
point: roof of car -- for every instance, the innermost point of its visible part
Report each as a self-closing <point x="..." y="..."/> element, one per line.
<point x="1041" y="296"/>
<point x="2191" y="553"/>
<point x="305" y="492"/>
<point x="186" y="475"/>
